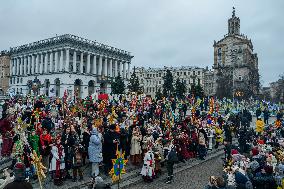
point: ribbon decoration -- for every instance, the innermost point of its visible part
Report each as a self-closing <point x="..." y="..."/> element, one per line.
<point x="36" y="161"/>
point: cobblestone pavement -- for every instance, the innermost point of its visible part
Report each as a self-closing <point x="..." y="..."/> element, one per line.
<point x="193" y="178"/>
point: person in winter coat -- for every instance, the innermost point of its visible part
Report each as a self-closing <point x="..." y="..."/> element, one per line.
<point x="135" y="149"/>
<point x="77" y="161"/>
<point x="45" y="141"/>
<point x="148" y="169"/>
<point x="266" y="115"/>
<point x="219" y="136"/>
<point x="259" y="126"/>
<point x="85" y="143"/>
<point x="202" y="140"/>
<point x="19" y="182"/>
<point x="34" y="141"/>
<point x="265" y="179"/>
<point x="95" y="151"/>
<point x="171" y="158"/>
<point x="111" y="140"/>
<point x="57" y="164"/>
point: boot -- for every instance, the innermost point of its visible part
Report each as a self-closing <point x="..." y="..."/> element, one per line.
<point x="168" y="180"/>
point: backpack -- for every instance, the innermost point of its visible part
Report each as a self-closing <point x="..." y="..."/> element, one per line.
<point x="173" y="157"/>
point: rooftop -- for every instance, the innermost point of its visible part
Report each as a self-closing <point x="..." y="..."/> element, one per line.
<point x="70" y="38"/>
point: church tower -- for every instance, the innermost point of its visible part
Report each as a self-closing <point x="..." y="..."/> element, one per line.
<point x="234" y="24"/>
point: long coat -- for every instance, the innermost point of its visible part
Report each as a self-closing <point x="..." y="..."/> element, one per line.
<point x="135" y="145"/>
<point x="55" y="158"/>
<point x="95" y="147"/>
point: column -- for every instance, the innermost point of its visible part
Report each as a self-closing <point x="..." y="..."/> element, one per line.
<point x="25" y="65"/>
<point x="94" y="71"/>
<point x="128" y="70"/>
<point x="45" y="62"/>
<point x="37" y="64"/>
<point x="11" y="66"/>
<point x="16" y="66"/>
<point x="105" y="67"/>
<point x="51" y="62"/>
<point x="81" y="63"/>
<point x="74" y="61"/>
<point x="29" y="64"/>
<point x="88" y="63"/>
<point x="56" y="62"/>
<point x="124" y="70"/>
<point x="67" y="60"/>
<point x="21" y="65"/>
<point x="115" y="68"/>
<point x="110" y="67"/>
<point x="33" y="65"/>
<point x="100" y="65"/>
<point x="61" y="61"/>
<point x="41" y="63"/>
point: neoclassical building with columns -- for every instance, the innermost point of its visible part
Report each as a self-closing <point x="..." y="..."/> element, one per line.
<point x="66" y="63"/>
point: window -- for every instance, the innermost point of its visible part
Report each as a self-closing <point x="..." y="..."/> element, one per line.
<point x="18" y="80"/>
<point x="160" y="74"/>
<point x="159" y="82"/>
<point x="193" y="72"/>
<point x="198" y="73"/>
<point x="184" y="73"/>
<point x="177" y="73"/>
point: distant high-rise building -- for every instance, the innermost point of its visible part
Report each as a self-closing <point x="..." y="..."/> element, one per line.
<point x="234" y="57"/>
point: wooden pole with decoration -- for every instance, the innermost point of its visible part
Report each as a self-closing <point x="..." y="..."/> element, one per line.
<point x="118" y="167"/>
<point x="36" y="161"/>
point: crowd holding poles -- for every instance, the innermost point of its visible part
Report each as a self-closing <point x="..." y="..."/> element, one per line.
<point x="66" y="133"/>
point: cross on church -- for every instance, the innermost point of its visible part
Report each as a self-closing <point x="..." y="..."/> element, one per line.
<point x="234" y="10"/>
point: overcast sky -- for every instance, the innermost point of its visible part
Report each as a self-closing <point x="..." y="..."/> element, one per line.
<point x="156" y="32"/>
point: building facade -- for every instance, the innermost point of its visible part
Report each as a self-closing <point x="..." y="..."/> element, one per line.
<point x="234" y="55"/>
<point x="4" y="72"/>
<point x="151" y="79"/>
<point x="66" y="63"/>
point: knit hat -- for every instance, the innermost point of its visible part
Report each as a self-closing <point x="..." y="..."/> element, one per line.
<point x="254" y="151"/>
<point x="268" y="169"/>
<point x="19" y="171"/>
<point x="112" y="127"/>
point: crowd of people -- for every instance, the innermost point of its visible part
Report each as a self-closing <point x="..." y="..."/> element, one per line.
<point x="69" y="133"/>
<point x="257" y="160"/>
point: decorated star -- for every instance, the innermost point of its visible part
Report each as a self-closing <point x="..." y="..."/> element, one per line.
<point x="118" y="166"/>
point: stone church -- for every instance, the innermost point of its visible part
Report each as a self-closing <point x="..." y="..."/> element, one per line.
<point x="235" y="58"/>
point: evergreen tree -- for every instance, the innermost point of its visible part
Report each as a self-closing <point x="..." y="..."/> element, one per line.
<point x="159" y="94"/>
<point x="199" y="91"/>
<point x="117" y="86"/>
<point x="168" y="87"/>
<point x="192" y="89"/>
<point x="134" y="85"/>
<point x="180" y="89"/>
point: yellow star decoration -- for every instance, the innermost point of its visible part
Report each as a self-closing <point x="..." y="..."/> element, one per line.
<point x="118" y="166"/>
<point x="36" y="161"/>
